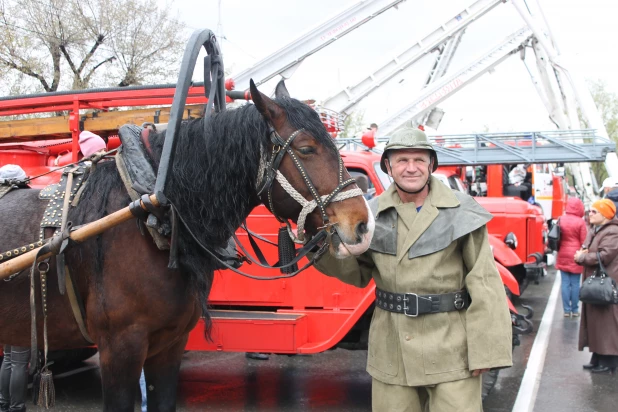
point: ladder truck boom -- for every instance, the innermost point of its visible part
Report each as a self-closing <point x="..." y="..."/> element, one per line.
<point x="344" y="100"/>
<point x="556" y="146"/>
<point x="285" y="60"/>
<point x="439" y="91"/>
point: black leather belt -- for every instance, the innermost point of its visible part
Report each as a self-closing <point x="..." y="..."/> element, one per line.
<point x="411" y="304"/>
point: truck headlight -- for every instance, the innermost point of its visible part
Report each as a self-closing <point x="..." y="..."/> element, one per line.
<point x="511" y="240"/>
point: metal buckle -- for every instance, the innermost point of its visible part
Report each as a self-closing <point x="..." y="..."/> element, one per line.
<point x="459" y="301"/>
<point x="405" y="307"/>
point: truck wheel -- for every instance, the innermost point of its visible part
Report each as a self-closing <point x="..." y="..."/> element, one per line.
<point x="489" y="381"/>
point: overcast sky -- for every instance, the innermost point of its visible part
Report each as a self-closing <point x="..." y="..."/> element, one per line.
<point x="503" y="100"/>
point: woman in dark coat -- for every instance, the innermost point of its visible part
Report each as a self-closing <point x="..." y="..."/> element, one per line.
<point x="573" y="232"/>
<point x="599" y="325"/>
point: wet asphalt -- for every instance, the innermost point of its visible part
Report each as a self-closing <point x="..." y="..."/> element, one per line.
<point x="336" y="380"/>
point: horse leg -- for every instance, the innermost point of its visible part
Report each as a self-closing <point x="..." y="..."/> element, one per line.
<point x="121" y="359"/>
<point x="161" y="372"/>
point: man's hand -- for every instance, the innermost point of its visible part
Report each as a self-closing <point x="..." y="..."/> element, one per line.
<point x="477" y="372"/>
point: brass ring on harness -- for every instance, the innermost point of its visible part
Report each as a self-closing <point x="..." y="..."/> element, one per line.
<point x="44" y="265"/>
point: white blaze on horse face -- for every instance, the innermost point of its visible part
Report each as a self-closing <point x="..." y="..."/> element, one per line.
<point x="345" y="250"/>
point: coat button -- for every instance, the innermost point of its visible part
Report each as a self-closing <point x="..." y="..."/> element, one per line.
<point x="408" y="337"/>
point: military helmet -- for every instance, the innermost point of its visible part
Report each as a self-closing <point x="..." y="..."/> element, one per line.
<point x="409" y="138"/>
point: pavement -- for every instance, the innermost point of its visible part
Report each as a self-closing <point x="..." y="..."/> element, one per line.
<point x="547" y="376"/>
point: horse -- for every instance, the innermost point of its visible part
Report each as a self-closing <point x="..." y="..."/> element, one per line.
<point x="138" y="311"/>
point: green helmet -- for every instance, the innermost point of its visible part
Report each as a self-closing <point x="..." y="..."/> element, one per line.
<point x="409" y="138"/>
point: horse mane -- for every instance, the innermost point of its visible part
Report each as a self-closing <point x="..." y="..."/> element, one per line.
<point x="212" y="181"/>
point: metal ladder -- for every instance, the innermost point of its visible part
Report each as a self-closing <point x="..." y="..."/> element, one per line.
<point x="346" y="99"/>
<point x="556" y="146"/>
<point x="439" y="91"/>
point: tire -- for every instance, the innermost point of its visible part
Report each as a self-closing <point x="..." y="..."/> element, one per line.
<point x="489" y="381"/>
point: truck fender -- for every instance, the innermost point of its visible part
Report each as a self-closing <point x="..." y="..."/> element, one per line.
<point x="508" y="279"/>
<point x="502" y="253"/>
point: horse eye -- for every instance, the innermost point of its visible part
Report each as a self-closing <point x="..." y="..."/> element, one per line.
<point x="306" y="150"/>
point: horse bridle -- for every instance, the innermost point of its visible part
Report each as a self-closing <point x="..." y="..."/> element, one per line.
<point x="280" y="148"/>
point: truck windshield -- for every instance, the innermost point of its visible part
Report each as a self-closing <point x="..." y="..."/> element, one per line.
<point x="385" y="180"/>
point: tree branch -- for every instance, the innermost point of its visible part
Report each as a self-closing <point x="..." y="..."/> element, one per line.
<point x="69" y="60"/>
<point x="91" y="72"/>
<point x="89" y="55"/>
<point x="27" y="72"/>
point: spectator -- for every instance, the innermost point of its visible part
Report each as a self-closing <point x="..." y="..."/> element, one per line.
<point x="599" y="325"/>
<point x="90" y="143"/>
<point x="573" y="233"/>
<point x="610" y="189"/>
<point x="14" y="379"/>
<point x="517" y="175"/>
<point x="13" y="175"/>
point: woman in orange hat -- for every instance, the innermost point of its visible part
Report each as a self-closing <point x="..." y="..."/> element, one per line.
<point x="599" y="324"/>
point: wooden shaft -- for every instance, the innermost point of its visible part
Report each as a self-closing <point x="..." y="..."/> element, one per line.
<point x="24" y="261"/>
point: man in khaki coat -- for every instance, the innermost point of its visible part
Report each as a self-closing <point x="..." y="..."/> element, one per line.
<point x="441" y="318"/>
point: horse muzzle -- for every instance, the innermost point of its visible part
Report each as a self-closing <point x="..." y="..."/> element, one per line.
<point x="354" y="241"/>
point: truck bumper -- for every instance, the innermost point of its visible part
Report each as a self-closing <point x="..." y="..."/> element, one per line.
<point x="534" y="271"/>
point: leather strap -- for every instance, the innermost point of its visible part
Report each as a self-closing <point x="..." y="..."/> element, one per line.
<point x="411" y="304"/>
<point x="77" y="305"/>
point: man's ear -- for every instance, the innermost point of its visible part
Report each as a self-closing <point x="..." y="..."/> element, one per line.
<point x="387" y="165"/>
<point x="267" y="107"/>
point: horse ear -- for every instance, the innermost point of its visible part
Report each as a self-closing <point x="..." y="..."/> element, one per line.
<point x="268" y="108"/>
<point x="281" y="90"/>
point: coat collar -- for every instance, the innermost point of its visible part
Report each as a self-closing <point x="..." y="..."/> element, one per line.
<point x="440" y="196"/>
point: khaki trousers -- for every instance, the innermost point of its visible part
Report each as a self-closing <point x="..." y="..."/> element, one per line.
<point x="458" y="396"/>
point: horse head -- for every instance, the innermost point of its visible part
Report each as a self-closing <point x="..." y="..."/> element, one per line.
<point x="306" y="181"/>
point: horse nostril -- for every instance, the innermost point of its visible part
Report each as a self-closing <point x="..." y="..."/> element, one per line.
<point x="361" y="229"/>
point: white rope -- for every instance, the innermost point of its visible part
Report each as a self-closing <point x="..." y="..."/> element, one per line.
<point x="309" y="205"/>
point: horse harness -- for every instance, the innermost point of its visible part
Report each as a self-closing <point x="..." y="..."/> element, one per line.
<point x="280" y="148"/>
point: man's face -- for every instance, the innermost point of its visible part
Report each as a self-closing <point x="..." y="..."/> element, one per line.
<point x="409" y="168"/>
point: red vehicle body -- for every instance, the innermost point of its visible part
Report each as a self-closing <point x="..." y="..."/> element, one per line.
<point x="309" y="313"/>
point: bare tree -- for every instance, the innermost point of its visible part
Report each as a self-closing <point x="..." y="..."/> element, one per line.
<point x="150" y="42"/>
<point x="353" y="125"/>
<point x="75" y="44"/>
<point x="607" y="105"/>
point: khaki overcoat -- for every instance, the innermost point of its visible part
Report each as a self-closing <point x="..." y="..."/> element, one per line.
<point x="598" y="329"/>
<point x="441" y="249"/>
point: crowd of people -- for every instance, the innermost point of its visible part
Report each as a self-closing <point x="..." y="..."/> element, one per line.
<point x="583" y="242"/>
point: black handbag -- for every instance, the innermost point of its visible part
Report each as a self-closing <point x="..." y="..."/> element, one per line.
<point x="553" y="237"/>
<point x="599" y="289"/>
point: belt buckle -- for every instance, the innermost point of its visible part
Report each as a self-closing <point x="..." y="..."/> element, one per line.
<point x="459" y="301"/>
<point x="405" y="307"/>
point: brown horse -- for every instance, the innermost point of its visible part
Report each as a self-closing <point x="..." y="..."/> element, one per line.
<point x="138" y="311"/>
